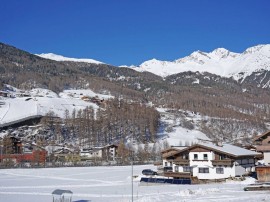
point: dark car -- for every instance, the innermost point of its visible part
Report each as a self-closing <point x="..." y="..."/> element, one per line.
<point x="149" y="172"/>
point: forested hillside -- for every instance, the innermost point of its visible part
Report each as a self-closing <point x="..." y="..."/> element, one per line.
<point x="229" y="109"/>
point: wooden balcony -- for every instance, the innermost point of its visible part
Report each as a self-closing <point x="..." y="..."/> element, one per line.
<point x="181" y="162"/>
<point x="224" y="162"/>
<point x="178" y="174"/>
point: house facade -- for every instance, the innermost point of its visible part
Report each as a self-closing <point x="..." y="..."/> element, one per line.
<point x="109" y="152"/>
<point x="209" y="161"/>
<point x="262" y="143"/>
<point x="91" y="153"/>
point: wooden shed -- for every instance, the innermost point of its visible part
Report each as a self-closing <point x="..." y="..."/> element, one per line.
<point x="263" y="173"/>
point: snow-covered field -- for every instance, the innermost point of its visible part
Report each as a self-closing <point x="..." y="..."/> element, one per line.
<point x="112" y="184"/>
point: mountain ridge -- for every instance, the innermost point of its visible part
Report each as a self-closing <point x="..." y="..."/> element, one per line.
<point x="56" y="57"/>
<point x="220" y="61"/>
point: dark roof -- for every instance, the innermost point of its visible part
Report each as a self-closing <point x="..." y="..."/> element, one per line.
<point x="61" y="191"/>
<point x="170" y="149"/>
<point x="263" y="148"/>
<point x="261" y="136"/>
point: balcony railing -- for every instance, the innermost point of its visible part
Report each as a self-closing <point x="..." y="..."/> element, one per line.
<point x="177" y="174"/>
<point x="181" y="162"/>
<point x="224" y="162"/>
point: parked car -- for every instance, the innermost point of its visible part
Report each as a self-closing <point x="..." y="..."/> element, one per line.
<point x="149" y="172"/>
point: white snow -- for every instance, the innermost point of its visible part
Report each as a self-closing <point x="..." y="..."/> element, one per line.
<point x="55" y="57"/>
<point x="231" y="149"/>
<point x="41" y="92"/>
<point x="220" y="62"/>
<point x="113" y="183"/>
<point x="20" y="108"/>
<point x="43" y="101"/>
<point x="81" y="93"/>
<point x="180" y="136"/>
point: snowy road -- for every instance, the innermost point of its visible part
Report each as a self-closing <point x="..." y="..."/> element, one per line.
<point x="111" y="184"/>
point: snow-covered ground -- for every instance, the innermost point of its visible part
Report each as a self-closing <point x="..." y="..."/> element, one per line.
<point x="19" y="108"/>
<point x="180" y="136"/>
<point x="43" y="101"/>
<point x="113" y="184"/>
<point x="81" y="93"/>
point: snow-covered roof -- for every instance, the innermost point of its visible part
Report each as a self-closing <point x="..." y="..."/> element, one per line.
<point x="61" y="191"/>
<point x="229" y="149"/>
<point x="225" y="148"/>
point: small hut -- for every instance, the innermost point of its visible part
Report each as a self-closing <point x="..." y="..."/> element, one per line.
<point x="263" y="173"/>
<point x="60" y="195"/>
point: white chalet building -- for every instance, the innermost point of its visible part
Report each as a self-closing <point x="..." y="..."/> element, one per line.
<point x="107" y="152"/>
<point x="91" y="153"/>
<point x="208" y="161"/>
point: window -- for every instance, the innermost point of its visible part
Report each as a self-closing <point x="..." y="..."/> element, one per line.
<point x="187" y="169"/>
<point x="220" y="170"/>
<point x="203" y="170"/>
<point x="244" y="161"/>
<point x="205" y="157"/>
<point x="176" y="168"/>
<point x="166" y="164"/>
<point x="222" y="156"/>
<point x="195" y="156"/>
<point x="251" y="161"/>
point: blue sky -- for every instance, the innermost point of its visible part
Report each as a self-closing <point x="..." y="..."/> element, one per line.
<point x="131" y="31"/>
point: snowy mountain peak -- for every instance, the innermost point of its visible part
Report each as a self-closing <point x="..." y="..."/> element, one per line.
<point x="152" y="61"/>
<point x="56" y="57"/>
<point x="220" y="62"/>
<point x="258" y="48"/>
<point x="198" y="53"/>
<point x="221" y="52"/>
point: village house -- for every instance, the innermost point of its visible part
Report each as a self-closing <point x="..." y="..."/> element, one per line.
<point x="208" y="161"/>
<point x="63" y="154"/>
<point x="107" y="152"/>
<point x="18" y="153"/>
<point x="262" y="143"/>
<point x="91" y="153"/>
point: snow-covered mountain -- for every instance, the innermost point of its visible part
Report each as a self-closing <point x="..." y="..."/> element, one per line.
<point x="220" y="62"/>
<point x="55" y="57"/>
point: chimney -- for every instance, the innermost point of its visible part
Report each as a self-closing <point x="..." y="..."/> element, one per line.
<point x="219" y="144"/>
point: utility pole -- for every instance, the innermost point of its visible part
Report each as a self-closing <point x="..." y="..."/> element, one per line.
<point x="131" y="166"/>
